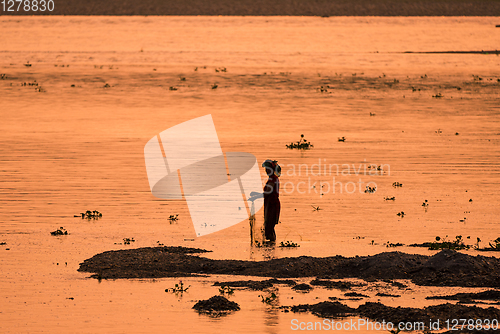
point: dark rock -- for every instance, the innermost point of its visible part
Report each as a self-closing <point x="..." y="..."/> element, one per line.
<point x="381" y="294"/>
<point x="323" y="309"/>
<point x="355" y="294"/>
<point x="216" y="304"/>
<point x="485" y="295"/>
<point x="446" y="268"/>
<point x="302" y="287"/>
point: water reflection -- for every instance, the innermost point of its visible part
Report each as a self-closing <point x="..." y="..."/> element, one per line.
<point x="271" y="320"/>
<point x="269" y="251"/>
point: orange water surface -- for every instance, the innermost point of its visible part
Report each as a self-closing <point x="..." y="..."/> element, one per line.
<point x="98" y="89"/>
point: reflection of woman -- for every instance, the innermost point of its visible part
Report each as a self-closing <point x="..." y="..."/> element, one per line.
<point x="272" y="204"/>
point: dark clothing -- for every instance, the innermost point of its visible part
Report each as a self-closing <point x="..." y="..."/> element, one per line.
<point x="272" y="206"/>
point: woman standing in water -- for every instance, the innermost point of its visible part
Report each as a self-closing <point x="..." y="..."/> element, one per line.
<point x="272" y="204"/>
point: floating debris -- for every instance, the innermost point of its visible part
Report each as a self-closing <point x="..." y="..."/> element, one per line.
<point x="401" y="214"/>
<point x="342" y="139"/>
<point x="214" y="86"/>
<point x="172" y="88"/>
<point x="173" y="218"/>
<point x="397" y="184"/>
<point x="393" y="198"/>
<point x="438" y="95"/>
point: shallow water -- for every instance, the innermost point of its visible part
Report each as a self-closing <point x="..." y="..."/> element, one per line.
<point x="69" y="149"/>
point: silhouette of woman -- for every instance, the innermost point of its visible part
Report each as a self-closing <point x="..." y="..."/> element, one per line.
<point x="272" y="206"/>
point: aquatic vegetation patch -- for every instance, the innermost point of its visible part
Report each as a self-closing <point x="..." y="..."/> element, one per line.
<point x="60" y="231"/>
<point x="178" y="288"/>
<point x="301" y="144"/>
<point x="269" y="299"/>
<point x="220" y="69"/>
<point x="495" y="244"/>
<point x="390" y="244"/>
<point x="288" y="244"/>
<point x="127" y="241"/>
<point x="90" y="215"/>
<point x="370" y="190"/>
<point x="494" y="247"/>
<point x="439" y="244"/>
<point x="226" y="290"/>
